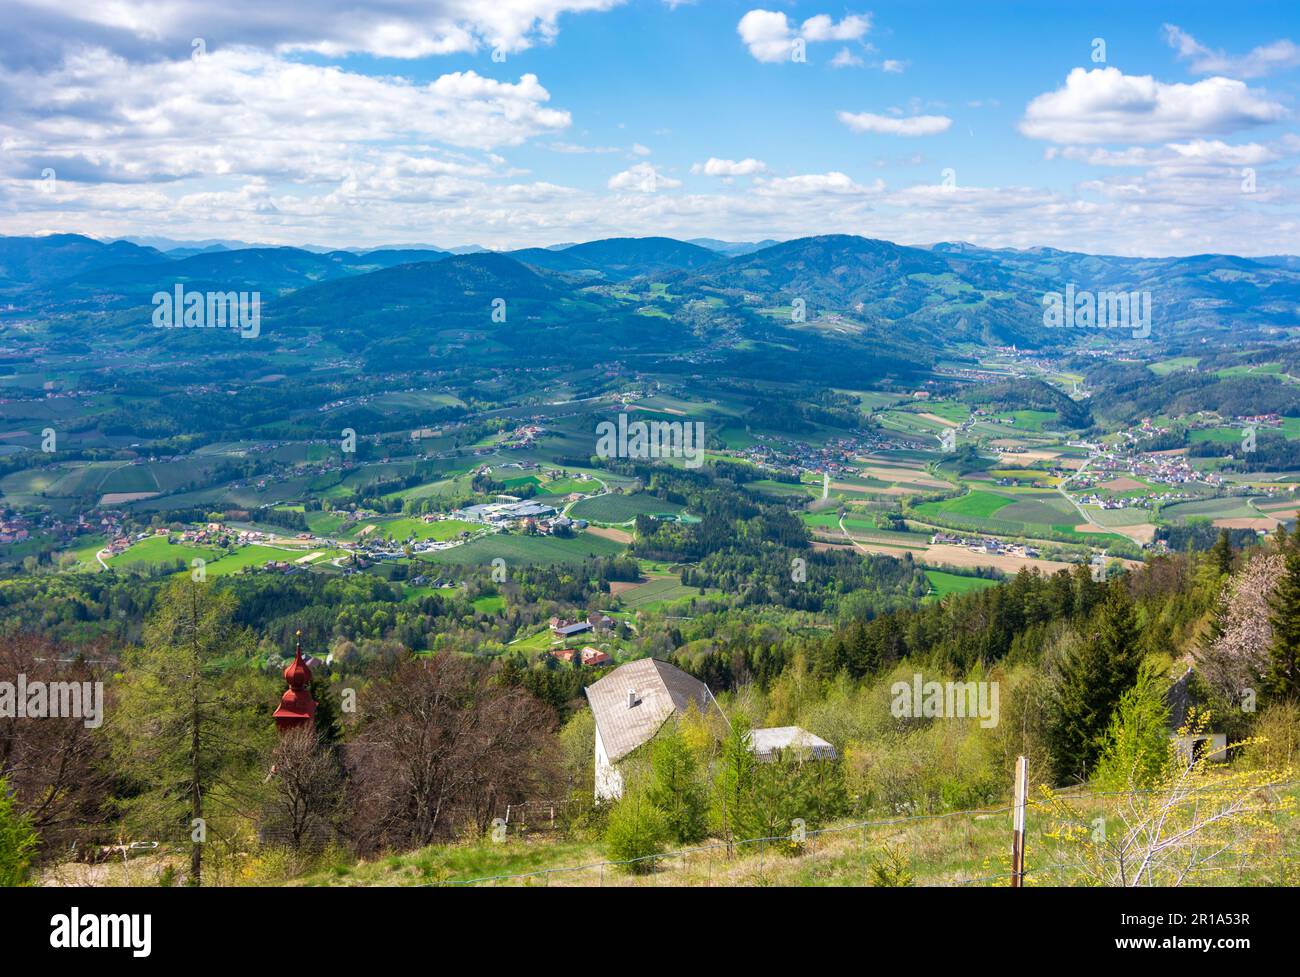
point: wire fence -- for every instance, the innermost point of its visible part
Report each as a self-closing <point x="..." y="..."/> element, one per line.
<point x="827" y="853"/>
<point x="629" y="871"/>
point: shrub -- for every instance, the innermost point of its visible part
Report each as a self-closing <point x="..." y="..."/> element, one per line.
<point x="637" y="830"/>
<point x="18" y="840"/>
<point x="676" y="788"/>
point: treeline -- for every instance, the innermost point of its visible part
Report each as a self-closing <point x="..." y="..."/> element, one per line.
<point x="809" y="580"/>
<point x="1126" y="392"/>
<point x="1028" y="394"/>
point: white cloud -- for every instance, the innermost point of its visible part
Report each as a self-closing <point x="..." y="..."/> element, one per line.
<point x="729" y="167"/>
<point x="1265" y="59"/>
<point x="892" y="67"/>
<point x="844" y="58"/>
<point x="248" y="112"/>
<point x="814" y="184"/>
<point x="578" y="149"/>
<point x="771" y="37"/>
<point x="164" y="28"/>
<point x="1197" y="153"/>
<point x="642" y="178"/>
<point x="822" y="28"/>
<point x="916" y="125"/>
<point x="1106" y="105"/>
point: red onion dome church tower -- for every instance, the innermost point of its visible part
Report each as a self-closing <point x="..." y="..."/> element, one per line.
<point x="297" y="707"/>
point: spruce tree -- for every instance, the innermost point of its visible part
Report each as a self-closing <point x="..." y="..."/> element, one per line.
<point x="1095" y="672"/>
<point x="676" y="788"/>
<point x="734" y="785"/>
<point x="1221" y="554"/>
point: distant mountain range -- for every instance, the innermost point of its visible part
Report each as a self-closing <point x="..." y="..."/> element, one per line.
<point x="847" y="298"/>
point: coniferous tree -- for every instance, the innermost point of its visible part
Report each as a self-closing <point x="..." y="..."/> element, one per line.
<point x="194" y="736"/>
<point x="636" y="832"/>
<point x="733" y="803"/>
<point x="1221" y="554"/>
<point x="676" y="788"/>
<point x="1099" y="667"/>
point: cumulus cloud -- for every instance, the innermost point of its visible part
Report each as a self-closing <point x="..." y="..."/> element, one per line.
<point x="814" y="184"/>
<point x="771" y="37"/>
<point x="1277" y="56"/>
<point x="915" y="125"/>
<point x="165" y="28"/>
<point x="729" y="167"/>
<point x="642" y="178"/>
<point x="249" y="112"/>
<point x="1106" y="105"/>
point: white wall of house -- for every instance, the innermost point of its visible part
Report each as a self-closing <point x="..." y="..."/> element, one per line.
<point x="609" y="779"/>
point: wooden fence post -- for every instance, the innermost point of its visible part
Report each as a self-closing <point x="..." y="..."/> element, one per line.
<point x="1018" y="823"/>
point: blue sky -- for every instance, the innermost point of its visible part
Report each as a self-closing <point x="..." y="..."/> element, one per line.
<point x="916" y="122"/>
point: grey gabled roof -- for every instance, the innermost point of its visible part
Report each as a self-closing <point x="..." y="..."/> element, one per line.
<point x="661" y="689"/>
<point x="766" y="743"/>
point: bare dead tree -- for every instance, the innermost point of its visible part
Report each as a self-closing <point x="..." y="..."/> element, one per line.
<point x="306" y="781"/>
<point x="443" y="745"/>
<point x="57" y="767"/>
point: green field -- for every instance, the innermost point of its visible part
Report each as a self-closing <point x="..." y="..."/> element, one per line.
<point x="519" y="550"/>
<point x="490" y="604"/>
<point x="654" y="592"/>
<point x="975" y="503"/>
<point x="407" y="528"/>
<point x="1165" y="367"/>
<point x="953" y="583"/>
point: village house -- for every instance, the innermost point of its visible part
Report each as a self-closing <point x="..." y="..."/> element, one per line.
<point x="632" y="703"/>
<point x="594" y="657"/>
<point x="563" y="628"/>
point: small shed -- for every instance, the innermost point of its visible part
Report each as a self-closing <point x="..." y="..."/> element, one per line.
<point x="765" y="744"/>
<point x="1181" y="700"/>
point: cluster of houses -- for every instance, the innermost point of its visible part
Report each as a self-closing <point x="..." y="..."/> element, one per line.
<point x="524" y="436"/>
<point x="595" y="622"/>
<point x="588" y="656"/>
<point x="835" y="457"/>
<point x="564" y="629"/>
<point x="283" y="567"/>
<point x="14" y="530"/>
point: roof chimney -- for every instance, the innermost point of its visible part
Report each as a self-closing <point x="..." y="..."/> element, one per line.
<point x="631" y="698"/>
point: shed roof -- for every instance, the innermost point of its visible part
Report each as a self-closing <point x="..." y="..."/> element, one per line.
<point x="661" y="690"/>
<point x="766" y="742"/>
